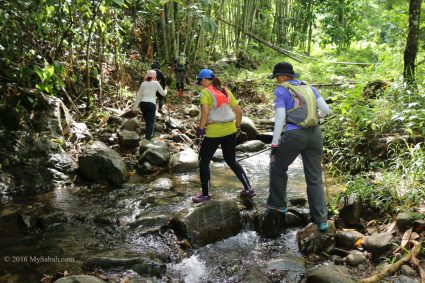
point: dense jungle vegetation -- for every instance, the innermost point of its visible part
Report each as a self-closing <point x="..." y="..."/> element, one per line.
<point x="366" y="58"/>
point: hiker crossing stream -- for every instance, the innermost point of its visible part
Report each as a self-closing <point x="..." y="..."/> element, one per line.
<point x="63" y="228"/>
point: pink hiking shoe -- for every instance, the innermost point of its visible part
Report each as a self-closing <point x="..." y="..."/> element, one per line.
<point x="201" y="198"/>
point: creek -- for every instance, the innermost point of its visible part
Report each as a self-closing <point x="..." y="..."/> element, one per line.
<point x="96" y="220"/>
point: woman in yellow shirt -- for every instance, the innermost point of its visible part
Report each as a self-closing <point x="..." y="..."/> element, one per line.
<point x="220" y="122"/>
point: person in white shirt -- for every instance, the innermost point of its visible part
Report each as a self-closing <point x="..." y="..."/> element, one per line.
<point x="146" y="100"/>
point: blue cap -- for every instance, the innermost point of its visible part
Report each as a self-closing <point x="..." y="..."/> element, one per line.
<point x="205" y="74"/>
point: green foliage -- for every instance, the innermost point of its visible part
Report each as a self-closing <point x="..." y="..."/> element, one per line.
<point x="339" y="21"/>
<point x="51" y="76"/>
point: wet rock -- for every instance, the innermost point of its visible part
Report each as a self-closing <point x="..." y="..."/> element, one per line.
<point x="302" y="214"/>
<point x="132" y="125"/>
<point x="350" y="209"/>
<point x="213" y="221"/>
<point x="46" y="220"/>
<point x="378" y="243"/>
<point x="184" y="161"/>
<point x="270" y="223"/>
<point x="156" y="153"/>
<point x="150" y="221"/>
<point x="141" y="265"/>
<point x="293" y="219"/>
<point x="129" y="139"/>
<point x="102" y="164"/>
<point x="248" y="126"/>
<point x="287" y="262"/>
<point x="301" y="201"/>
<point x="347" y="239"/>
<point x="79" y="279"/>
<point x="329" y="274"/>
<point x="312" y="241"/>
<point x="405" y="220"/>
<point x="161" y="184"/>
<point x="355" y="258"/>
<point x="251" y="146"/>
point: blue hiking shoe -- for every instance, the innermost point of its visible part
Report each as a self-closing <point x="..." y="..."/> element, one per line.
<point x="249" y="193"/>
<point x="323" y="227"/>
<point x="281" y="210"/>
<point x="201" y="198"/>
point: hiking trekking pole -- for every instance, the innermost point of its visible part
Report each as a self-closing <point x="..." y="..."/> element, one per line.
<point x="326" y="181"/>
<point x="249" y="156"/>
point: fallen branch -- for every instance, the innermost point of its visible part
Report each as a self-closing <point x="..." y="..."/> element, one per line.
<point x="415" y="262"/>
<point x="393" y="267"/>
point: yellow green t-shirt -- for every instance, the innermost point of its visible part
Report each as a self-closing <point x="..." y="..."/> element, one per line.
<point x="217" y="130"/>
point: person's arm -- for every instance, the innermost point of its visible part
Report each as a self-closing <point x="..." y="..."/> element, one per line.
<point x="321" y="104"/>
<point x="159" y="89"/>
<point x="279" y="123"/>
<point x="238" y="112"/>
<point x="280" y="114"/>
<point x="205" y="110"/>
<point x="137" y="99"/>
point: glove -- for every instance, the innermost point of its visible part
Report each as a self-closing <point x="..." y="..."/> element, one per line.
<point x="200" y="133"/>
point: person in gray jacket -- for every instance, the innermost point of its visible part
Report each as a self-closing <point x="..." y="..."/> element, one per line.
<point x="296" y="104"/>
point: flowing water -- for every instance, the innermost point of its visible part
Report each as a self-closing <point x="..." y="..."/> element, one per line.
<point x="94" y="221"/>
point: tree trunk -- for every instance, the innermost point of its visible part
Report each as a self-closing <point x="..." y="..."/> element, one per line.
<point x="164" y="44"/>
<point x="173" y="29"/>
<point x="88" y="81"/>
<point x="411" y="49"/>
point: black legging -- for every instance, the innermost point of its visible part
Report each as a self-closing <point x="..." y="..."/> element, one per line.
<point x="208" y="148"/>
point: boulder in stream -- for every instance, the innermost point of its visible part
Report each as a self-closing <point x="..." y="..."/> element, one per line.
<point x="210" y="222"/>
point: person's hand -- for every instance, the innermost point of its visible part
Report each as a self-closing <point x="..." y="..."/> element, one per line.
<point x="273" y="152"/>
<point x="238" y="131"/>
<point x="200" y="133"/>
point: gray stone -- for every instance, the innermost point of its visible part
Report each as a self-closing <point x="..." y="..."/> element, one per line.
<point x="405" y="279"/>
<point x="378" y="243"/>
<point x="161" y="184"/>
<point x="287" y="262"/>
<point x="210" y="222"/>
<point x="312" y="241"/>
<point x="355" y="258"/>
<point x="347" y="239"/>
<point x="248" y="126"/>
<point x="350" y="209"/>
<point x="142" y="265"/>
<point x="329" y="274"/>
<point x="184" y="161"/>
<point x="156" y="153"/>
<point x="405" y="220"/>
<point x="80" y="279"/>
<point x="132" y="124"/>
<point x="128" y="138"/>
<point x="407" y="270"/>
<point x="102" y="164"/>
<point x="251" y="146"/>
